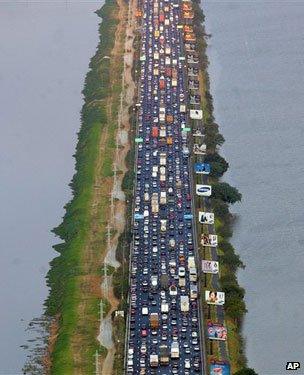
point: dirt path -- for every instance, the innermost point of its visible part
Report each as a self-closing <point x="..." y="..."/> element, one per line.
<point x="118" y="205"/>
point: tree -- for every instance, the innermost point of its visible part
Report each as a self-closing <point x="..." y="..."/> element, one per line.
<point x="218" y="164"/>
<point x="246" y="371"/>
<point x="220" y="209"/>
<point x="235" y="308"/>
<point x="225" y="192"/>
<point x="232" y="261"/>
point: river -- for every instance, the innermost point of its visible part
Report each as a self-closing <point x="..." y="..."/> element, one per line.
<point x="257" y="79"/>
<point x="45" y="49"/>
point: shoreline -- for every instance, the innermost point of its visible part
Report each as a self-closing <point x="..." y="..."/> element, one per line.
<point x="229" y="259"/>
<point x="75" y="276"/>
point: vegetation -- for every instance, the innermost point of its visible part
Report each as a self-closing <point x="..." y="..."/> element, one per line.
<point x="225" y="192"/>
<point x="218" y="164"/>
<point x="246" y="371"/>
<point x="73" y="275"/>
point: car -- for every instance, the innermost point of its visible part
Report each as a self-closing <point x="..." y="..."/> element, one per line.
<point x="181" y="271"/>
<point x="173" y="290"/>
<point x="187" y="363"/>
<point x="145" y="310"/>
<point x="144" y="332"/>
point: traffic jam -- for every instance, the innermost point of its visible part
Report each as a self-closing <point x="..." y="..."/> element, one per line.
<point x="164" y="333"/>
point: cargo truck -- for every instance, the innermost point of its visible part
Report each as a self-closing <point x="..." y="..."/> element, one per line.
<point x="154" y="171"/>
<point x="168" y="72"/>
<point x="162" y="114"/>
<point x="182" y="108"/>
<point x="184" y="304"/>
<point x="163" y="197"/>
<point x="154" y="131"/>
<point x="163" y="158"/>
<point x="164" y="281"/>
<point x="154" y="203"/>
<point x="174" y="82"/>
<point x="154" y="320"/>
<point x="162" y="170"/>
<point x="169" y="119"/>
<point x="193" y="274"/>
<point x="155" y="71"/>
<point x="193" y="291"/>
<point x="164" y="354"/>
<point x="153" y="360"/>
<point x="181" y="282"/>
<point x="164" y="307"/>
<point x="162" y="132"/>
<point x="174" y="350"/>
<point x="168" y="50"/>
<point x="191" y="262"/>
<point x="163" y="225"/>
<point x="162" y="83"/>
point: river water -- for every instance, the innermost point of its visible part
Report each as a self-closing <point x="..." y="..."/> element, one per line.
<point x="257" y="80"/>
<point x="45" y="49"/>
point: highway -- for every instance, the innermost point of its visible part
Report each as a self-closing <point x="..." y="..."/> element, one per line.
<point x="164" y="323"/>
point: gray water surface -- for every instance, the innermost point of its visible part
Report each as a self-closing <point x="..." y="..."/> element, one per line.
<point x="45" y="49"/>
<point x="257" y="78"/>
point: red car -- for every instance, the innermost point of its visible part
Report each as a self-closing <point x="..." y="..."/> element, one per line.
<point x="144" y="333"/>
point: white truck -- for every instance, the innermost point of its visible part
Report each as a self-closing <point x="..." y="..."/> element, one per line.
<point x="162" y="114"/>
<point x="174" y="350"/>
<point x="163" y="225"/>
<point x="154" y="171"/>
<point x="153" y="360"/>
<point x="168" y="50"/>
<point x="181" y="282"/>
<point x="156" y="55"/>
<point x="184" y="304"/>
<point x="164" y="308"/>
<point x="193" y="274"/>
<point x="174" y="82"/>
<point x="191" y="262"/>
<point x="162" y="158"/>
<point x="163" y="198"/>
<point x="182" y="108"/>
<point x="162" y="132"/>
<point x="154" y="203"/>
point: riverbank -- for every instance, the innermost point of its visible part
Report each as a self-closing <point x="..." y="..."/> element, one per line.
<point x="80" y="278"/>
<point x="223" y="195"/>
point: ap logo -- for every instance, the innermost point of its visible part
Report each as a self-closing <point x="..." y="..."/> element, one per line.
<point x="292" y="365"/>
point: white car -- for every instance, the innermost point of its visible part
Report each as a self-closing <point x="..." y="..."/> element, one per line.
<point x="173" y="290"/>
<point x="181" y="271"/>
<point x="187" y="363"/>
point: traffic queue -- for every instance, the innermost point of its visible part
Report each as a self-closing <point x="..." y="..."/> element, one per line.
<point x="164" y="332"/>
